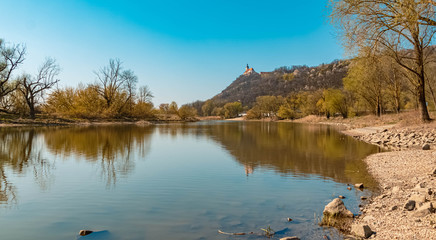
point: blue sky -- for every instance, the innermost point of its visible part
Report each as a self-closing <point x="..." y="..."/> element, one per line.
<point x="183" y="50"/>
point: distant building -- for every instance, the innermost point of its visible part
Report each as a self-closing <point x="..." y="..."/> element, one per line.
<point x="266" y="74"/>
<point x="249" y="70"/>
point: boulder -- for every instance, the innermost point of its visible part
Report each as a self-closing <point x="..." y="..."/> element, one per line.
<point x="361" y="230"/>
<point x="424" y="210"/>
<point x="358" y="185"/>
<point x="290" y="238"/>
<point x="336" y="208"/>
<point x="410" y="205"/>
<point x="341" y="197"/>
<point x="426" y="146"/>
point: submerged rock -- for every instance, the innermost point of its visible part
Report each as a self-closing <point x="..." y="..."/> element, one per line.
<point x="85" y="232"/>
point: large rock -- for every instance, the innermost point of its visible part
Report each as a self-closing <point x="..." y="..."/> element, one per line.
<point x="336" y="208"/>
<point x="290" y="238"/>
<point x="361" y="230"/>
<point x="424" y="210"/>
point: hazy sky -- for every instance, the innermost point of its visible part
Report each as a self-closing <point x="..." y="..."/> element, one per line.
<point x="183" y="50"/>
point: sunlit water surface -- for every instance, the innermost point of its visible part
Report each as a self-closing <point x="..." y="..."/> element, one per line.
<point x="176" y="181"/>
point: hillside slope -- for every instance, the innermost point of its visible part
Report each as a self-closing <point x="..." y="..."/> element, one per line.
<point x="283" y="81"/>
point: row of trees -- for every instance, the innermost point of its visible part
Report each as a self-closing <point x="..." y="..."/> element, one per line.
<point x="113" y="95"/>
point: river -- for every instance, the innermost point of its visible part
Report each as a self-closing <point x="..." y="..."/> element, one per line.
<point x="176" y="181"/>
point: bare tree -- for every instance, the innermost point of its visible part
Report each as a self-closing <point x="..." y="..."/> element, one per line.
<point x="130" y="81"/>
<point x="110" y="81"/>
<point x="33" y="88"/>
<point x="10" y="59"/>
<point x="402" y="28"/>
<point x="145" y="95"/>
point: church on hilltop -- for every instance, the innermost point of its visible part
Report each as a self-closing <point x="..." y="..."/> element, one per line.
<point x="248" y="70"/>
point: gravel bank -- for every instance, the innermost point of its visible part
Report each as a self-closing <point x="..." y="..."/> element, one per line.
<point x="403" y="176"/>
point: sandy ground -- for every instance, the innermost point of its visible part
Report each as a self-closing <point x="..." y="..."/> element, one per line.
<point x="401" y="174"/>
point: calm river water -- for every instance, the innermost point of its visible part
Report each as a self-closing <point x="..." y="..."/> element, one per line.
<point x="175" y="181"/>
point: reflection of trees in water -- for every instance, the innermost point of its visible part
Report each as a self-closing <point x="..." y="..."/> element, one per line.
<point x="287" y="148"/>
<point x="111" y="147"/>
<point x="19" y="153"/>
<point x="296" y="148"/>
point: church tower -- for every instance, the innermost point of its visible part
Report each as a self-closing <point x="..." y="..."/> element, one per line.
<point x="248" y="70"/>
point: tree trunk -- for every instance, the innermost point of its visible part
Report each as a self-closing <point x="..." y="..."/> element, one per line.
<point x="425" y="117"/>
<point x="31" y="104"/>
<point x="32" y="111"/>
<point x="378" y="108"/>
<point x="398" y="103"/>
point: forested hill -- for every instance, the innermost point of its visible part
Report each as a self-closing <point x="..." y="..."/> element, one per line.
<point x="283" y="81"/>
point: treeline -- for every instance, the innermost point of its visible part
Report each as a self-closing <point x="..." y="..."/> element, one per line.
<point x="114" y="95"/>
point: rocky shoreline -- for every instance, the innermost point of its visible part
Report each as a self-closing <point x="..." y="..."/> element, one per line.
<point x="405" y="208"/>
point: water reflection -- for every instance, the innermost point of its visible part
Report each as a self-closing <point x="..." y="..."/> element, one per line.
<point x="286" y="148"/>
<point x="25" y="149"/>
<point x="296" y="149"/>
<point x="110" y="146"/>
<point x="18" y="152"/>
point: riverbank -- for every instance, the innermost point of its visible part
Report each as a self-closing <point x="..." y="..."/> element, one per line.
<point x="406" y="174"/>
<point x="10" y="120"/>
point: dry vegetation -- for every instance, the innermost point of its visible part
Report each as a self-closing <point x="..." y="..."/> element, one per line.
<point x="405" y="119"/>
